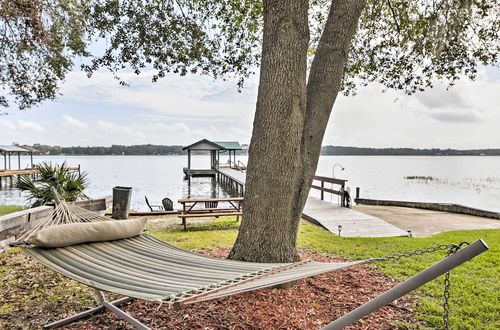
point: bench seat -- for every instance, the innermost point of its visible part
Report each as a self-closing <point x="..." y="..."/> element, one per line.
<point x="210" y="214"/>
<point x="183" y="216"/>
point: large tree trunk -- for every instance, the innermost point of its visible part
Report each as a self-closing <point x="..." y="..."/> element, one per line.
<point x="289" y="124"/>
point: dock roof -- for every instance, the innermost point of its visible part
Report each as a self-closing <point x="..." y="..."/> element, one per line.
<point x="10" y="148"/>
<point x="229" y="145"/>
<point x="205" y="144"/>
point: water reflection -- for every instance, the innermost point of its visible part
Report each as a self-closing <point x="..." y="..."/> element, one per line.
<point x="203" y="187"/>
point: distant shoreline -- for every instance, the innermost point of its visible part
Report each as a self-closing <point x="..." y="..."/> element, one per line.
<point x="176" y="150"/>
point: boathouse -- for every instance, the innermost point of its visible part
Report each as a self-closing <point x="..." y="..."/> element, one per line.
<point x="8" y="150"/>
<point x="216" y="148"/>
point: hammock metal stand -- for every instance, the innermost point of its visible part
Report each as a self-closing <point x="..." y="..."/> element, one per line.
<point x="427" y="275"/>
<point x="111" y="305"/>
<point x="147" y="268"/>
<point x="410" y="284"/>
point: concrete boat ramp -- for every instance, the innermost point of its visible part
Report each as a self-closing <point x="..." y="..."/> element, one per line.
<point x="330" y="216"/>
<point x="354" y="223"/>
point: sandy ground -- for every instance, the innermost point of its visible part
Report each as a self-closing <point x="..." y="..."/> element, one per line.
<point x="424" y="223"/>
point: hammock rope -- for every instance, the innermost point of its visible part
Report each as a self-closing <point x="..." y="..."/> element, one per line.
<point x="63" y="213"/>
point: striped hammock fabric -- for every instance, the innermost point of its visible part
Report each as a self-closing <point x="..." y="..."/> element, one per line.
<point x="147" y="268"/>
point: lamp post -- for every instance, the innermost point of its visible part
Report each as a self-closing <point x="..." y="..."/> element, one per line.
<point x="333" y="169"/>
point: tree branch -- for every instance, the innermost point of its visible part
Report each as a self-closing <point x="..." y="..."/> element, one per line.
<point x="394" y="15"/>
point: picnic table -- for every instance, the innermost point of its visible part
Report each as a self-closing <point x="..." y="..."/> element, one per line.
<point x="209" y="207"/>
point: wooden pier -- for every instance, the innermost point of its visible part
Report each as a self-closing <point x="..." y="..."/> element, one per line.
<point x="329" y="215"/>
<point x="232" y="180"/>
<point x="326" y="214"/>
<point x="10" y="174"/>
<point x="347" y="222"/>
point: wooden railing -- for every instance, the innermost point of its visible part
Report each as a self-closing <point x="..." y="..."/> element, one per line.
<point x="323" y="189"/>
<point x="241" y="166"/>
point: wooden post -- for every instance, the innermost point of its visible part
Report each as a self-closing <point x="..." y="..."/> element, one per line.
<point x="31" y="157"/>
<point x="342" y="198"/>
<point x="189" y="160"/>
<point x="18" y="160"/>
<point x="322" y="192"/>
<point x="357" y="192"/>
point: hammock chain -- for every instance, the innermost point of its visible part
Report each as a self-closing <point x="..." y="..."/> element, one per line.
<point x="447" y="283"/>
<point x="452" y="248"/>
<point x="418" y="252"/>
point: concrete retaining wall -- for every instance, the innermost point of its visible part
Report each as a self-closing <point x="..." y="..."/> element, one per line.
<point x="12" y="225"/>
<point x="445" y="207"/>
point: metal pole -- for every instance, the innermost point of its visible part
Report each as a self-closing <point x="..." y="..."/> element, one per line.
<point x="120" y="313"/>
<point x="84" y="314"/>
<point x="410" y="284"/>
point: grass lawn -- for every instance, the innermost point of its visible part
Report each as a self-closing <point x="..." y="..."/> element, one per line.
<point x="6" y="209"/>
<point x="475" y="286"/>
<point x="30" y="293"/>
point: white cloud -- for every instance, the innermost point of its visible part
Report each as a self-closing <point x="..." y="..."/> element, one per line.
<point x="73" y="123"/>
<point x="456" y="117"/>
<point x="439" y="98"/>
<point x="466" y="115"/>
<point x="7" y="125"/>
<point x="23" y="126"/>
<point x="173" y="97"/>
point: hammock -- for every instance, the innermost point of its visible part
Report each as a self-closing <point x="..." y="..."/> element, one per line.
<point x="147" y="268"/>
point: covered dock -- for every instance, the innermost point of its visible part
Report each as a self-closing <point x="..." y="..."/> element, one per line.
<point x="215" y="148"/>
<point x="8" y="150"/>
<point x="8" y="172"/>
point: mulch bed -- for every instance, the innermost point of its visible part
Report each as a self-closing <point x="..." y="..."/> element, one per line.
<point x="310" y="304"/>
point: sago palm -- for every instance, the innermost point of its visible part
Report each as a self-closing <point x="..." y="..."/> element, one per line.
<point x="68" y="184"/>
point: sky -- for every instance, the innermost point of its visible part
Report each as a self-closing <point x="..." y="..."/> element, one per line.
<point x="178" y="110"/>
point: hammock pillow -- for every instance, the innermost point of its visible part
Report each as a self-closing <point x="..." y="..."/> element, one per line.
<point x="76" y="233"/>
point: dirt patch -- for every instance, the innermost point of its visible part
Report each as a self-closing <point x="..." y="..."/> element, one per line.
<point x="310" y="304"/>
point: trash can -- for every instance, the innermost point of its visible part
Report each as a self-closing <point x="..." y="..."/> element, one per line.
<point x="121" y="202"/>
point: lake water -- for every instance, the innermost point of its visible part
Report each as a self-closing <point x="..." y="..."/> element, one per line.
<point x="471" y="181"/>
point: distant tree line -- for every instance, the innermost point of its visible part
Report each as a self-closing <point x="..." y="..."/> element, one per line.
<point x="143" y="149"/>
<point x="151" y="149"/>
<point x="336" y="150"/>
